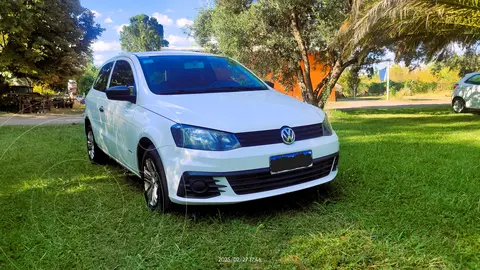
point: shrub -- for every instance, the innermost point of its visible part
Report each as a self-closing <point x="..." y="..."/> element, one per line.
<point x="43" y="89"/>
<point x="381" y="88"/>
<point x="403" y="92"/>
<point x="418" y="87"/>
<point x="377" y="88"/>
<point x="411" y="82"/>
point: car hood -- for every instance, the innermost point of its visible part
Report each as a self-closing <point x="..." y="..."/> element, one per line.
<point x="236" y="111"/>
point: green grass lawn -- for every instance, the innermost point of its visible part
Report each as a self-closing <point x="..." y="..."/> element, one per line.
<point x="407" y="196"/>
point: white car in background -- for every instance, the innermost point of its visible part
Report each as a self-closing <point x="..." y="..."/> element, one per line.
<point x="202" y="129"/>
<point x="466" y="93"/>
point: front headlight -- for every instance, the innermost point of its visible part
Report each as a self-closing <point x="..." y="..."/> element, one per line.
<point x="327" y="127"/>
<point x="203" y="139"/>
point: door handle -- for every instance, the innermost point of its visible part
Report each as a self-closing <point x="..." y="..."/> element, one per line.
<point x="100" y="109"/>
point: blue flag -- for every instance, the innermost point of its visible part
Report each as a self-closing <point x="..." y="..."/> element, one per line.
<point x="383" y="74"/>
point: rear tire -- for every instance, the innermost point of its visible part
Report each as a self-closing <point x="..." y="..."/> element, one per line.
<point x="458" y="105"/>
<point x="155" y="182"/>
<point x="95" y="154"/>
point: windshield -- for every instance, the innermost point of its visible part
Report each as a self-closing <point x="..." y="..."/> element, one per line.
<point x="190" y="74"/>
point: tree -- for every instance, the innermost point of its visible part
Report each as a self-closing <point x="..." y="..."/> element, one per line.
<point x="278" y="37"/>
<point x="45" y="40"/>
<point x="143" y="34"/>
<point x="86" y="80"/>
<point x="465" y="63"/>
<point x="419" y="30"/>
<point x="350" y="80"/>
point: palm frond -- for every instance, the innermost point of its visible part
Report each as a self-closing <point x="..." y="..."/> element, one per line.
<point x="430" y="25"/>
<point x="405" y="16"/>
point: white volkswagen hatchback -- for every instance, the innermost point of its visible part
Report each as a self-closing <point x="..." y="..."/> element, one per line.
<point x="466" y="93"/>
<point x="202" y="129"/>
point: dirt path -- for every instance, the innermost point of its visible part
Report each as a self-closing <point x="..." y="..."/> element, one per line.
<point x="385" y="104"/>
<point x="52" y="119"/>
<point x="33" y="120"/>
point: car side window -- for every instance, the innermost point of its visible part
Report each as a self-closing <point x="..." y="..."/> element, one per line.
<point x="123" y="75"/>
<point x="475" y="79"/>
<point x="102" y="78"/>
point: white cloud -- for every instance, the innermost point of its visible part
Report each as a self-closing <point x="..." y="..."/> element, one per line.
<point x="96" y="14"/>
<point x="98" y="59"/>
<point x="162" y="19"/>
<point x="169" y="11"/>
<point x="119" y="28"/>
<point x="178" y="41"/>
<point x="108" y="20"/>
<point x="184" y="21"/>
<point x="459" y="50"/>
<point x="102" y="46"/>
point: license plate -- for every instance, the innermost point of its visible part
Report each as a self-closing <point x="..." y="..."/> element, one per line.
<point x="290" y="162"/>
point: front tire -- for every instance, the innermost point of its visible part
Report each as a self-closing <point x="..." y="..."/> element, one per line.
<point x="458" y="105"/>
<point x="95" y="154"/>
<point x="155" y="182"/>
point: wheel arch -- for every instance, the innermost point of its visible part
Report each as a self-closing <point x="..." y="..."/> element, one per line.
<point x="142" y="146"/>
<point x="457" y="97"/>
<point x="87" y="123"/>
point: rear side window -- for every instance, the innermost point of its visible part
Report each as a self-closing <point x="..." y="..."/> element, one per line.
<point x="102" y="78"/>
<point x="122" y="75"/>
<point x="475" y="79"/>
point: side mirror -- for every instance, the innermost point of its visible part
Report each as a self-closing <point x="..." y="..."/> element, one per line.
<point x="121" y="92"/>
<point x="269" y="83"/>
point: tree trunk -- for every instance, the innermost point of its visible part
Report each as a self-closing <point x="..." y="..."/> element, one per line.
<point x="333" y="77"/>
<point x="334" y="74"/>
<point x="307" y="80"/>
<point x="301" y="84"/>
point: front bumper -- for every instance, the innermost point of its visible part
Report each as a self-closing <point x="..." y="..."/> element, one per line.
<point x="230" y="168"/>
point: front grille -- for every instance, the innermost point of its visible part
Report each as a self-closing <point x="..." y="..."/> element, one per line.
<point x="262" y="180"/>
<point x="185" y="189"/>
<point x="272" y="136"/>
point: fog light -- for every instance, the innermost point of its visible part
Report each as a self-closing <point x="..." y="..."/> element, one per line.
<point x="199" y="186"/>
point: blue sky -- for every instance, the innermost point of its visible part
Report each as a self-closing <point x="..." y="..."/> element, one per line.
<point x="113" y="14"/>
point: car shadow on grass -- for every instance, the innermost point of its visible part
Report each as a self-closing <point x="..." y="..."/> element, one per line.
<point x="301" y="200"/>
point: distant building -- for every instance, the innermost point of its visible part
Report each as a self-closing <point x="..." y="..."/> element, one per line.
<point x="317" y="73"/>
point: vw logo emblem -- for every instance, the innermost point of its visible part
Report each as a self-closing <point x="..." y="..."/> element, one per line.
<point x="287" y="134"/>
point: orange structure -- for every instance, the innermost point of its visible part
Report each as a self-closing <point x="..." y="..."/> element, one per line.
<point x="317" y="73"/>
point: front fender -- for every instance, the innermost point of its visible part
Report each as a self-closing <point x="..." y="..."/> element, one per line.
<point x="155" y="128"/>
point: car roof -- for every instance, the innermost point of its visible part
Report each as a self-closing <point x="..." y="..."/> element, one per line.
<point x="470" y="74"/>
<point x="171" y="52"/>
<point x="164" y="52"/>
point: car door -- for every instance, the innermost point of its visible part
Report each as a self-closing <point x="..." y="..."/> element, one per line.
<point x="96" y="103"/>
<point x="122" y="114"/>
<point x="471" y="92"/>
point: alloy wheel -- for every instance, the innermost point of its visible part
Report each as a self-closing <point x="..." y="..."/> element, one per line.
<point x="458" y="105"/>
<point x="90" y="144"/>
<point x="151" y="180"/>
